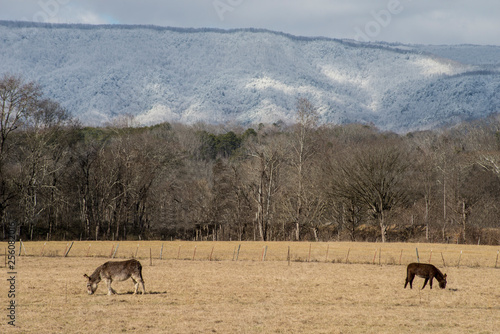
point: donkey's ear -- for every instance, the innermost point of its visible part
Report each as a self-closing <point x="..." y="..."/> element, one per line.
<point x="86" y="276"/>
<point x="444" y="276"/>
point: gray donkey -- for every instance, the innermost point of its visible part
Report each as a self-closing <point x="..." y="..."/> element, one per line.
<point x="116" y="271"/>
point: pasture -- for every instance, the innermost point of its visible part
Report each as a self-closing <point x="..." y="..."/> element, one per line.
<point x="208" y="287"/>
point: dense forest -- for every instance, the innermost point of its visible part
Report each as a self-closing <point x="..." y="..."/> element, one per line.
<point x="302" y="181"/>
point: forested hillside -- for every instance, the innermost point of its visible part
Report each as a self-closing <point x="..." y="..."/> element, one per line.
<point x="249" y="76"/>
<point x="306" y="181"/>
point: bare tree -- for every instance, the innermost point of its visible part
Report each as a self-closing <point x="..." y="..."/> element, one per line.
<point x="349" y="213"/>
<point x="375" y="176"/>
<point x="18" y="100"/>
<point x="241" y="216"/>
<point x="267" y="156"/>
<point x="488" y="147"/>
<point x="40" y="159"/>
<point x="302" y="152"/>
<point x="426" y="171"/>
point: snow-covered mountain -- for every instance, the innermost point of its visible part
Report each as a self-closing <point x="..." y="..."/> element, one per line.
<point x="249" y="76"/>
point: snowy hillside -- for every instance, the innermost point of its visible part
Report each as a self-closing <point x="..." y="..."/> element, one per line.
<point x="249" y="76"/>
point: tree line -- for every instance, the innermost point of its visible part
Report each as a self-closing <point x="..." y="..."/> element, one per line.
<point x="303" y="181"/>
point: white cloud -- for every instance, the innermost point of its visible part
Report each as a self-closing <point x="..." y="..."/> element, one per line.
<point x="72" y="14"/>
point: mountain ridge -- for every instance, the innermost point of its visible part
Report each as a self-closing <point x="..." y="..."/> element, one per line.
<point x="249" y="75"/>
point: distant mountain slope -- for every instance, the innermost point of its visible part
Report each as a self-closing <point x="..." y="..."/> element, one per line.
<point x="485" y="55"/>
<point x="248" y="76"/>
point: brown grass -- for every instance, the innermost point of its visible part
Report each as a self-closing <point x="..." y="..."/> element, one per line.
<point x="252" y="296"/>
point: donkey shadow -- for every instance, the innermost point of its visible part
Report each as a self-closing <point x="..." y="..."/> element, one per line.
<point x="148" y="293"/>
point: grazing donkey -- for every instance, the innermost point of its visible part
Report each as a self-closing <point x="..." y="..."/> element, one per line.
<point x="118" y="271"/>
<point x="427" y="271"/>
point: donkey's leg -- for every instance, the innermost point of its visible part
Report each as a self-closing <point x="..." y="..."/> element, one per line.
<point x="409" y="279"/>
<point x="425" y="282"/>
<point x="430" y="282"/>
<point x="110" y="289"/>
<point x="138" y="279"/>
<point x="136" y="285"/>
<point x="143" y="288"/>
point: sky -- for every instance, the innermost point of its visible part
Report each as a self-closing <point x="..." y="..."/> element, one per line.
<point x="403" y="21"/>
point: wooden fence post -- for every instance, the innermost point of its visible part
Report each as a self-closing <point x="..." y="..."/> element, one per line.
<point x="264" y="252"/>
<point x="238" y="252"/>
<point x="43" y="247"/>
<point x="116" y="249"/>
<point x="67" y="252"/>
<point x="21" y="247"/>
<point x="288" y="256"/>
<point x="418" y="257"/>
<point x="65" y="249"/>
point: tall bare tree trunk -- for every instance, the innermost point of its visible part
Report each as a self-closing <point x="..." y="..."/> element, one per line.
<point x="444" y="206"/>
<point x="426" y="218"/>
<point x="464" y="220"/>
<point x="383" y="228"/>
<point x="299" y="185"/>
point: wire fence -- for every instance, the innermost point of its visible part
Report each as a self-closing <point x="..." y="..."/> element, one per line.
<point x="444" y="255"/>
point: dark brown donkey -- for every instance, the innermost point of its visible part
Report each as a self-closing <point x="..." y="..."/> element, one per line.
<point x="427" y="271"/>
<point x="116" y="271"/>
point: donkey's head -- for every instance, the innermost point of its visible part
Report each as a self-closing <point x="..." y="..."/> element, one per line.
<point x="91" y="285"/>
<point x="442" y="282"/>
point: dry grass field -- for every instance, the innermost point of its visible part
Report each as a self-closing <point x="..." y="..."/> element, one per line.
<point x="316" y="292"/>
